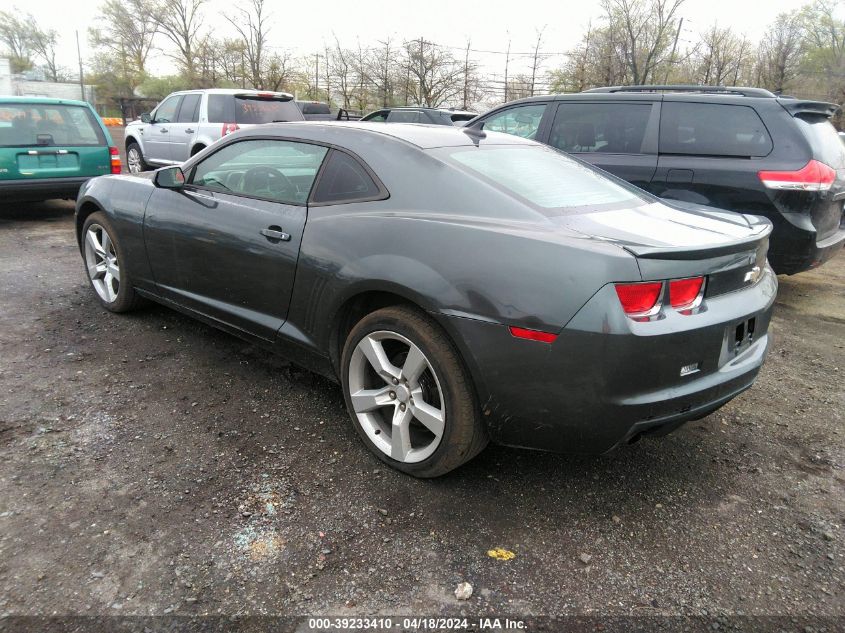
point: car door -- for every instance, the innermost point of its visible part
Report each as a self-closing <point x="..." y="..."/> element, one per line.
<point x="157" y="137"/>
<point x="226" y="244"/>
<point x="525" y="120"/>
<point x="617" y="136"/>
<point x="709" y="154"/>
<point x="183" y="131"/>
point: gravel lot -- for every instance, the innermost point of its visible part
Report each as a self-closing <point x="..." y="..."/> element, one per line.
<point x="150" y="464"/>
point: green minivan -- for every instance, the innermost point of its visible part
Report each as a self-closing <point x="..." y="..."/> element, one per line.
<point x="50" y="147"/>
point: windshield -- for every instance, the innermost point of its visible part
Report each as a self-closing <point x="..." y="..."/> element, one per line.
<point x="545" y="178"/>
<point x="36" y="124"/>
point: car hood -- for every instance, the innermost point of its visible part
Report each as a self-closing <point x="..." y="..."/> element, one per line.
<point x="671" y="227"/>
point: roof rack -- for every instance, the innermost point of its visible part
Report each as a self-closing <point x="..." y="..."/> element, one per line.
<point x="733" y="90"/>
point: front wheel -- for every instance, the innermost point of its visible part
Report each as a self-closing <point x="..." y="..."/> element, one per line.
<point x="135" y="159"/>
<point x="410" y="398"/>
<point x="106" y="265"/>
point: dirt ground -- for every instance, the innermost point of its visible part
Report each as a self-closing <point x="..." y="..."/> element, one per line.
<point x="152" y="465"/>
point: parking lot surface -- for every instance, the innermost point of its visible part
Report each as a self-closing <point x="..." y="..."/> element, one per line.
<point x="150" y="464"/>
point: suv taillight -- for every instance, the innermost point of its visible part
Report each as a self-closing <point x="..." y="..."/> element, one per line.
<point x="814" y="176"/>
<point x="228" y="128"/>
<point x="115" y="160"/>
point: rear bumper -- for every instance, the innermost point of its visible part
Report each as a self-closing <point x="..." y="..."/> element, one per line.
<point x="794" y="249"/>
<point x="40" y="189"/>
<point x="607" y="379"/>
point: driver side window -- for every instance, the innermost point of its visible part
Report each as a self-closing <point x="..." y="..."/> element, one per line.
<point x="520" y="120"/>
<point x="282" y="171"/>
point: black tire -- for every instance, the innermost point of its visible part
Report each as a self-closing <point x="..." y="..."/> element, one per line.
<point x="135" y="147"/>
<point x="127" y="299"/>
<point x="464" y="434"/>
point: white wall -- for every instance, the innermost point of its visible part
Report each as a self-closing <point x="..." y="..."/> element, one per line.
<point x="5" y="77"/>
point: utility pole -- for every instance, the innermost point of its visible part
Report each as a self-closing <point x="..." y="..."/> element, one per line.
<point x="507" y="63"/>
<point x="536" y="56"/>
<point x="466" y="77"/>
<point x="674" y="48"/>
<point x="317" y="76"/>
<point x="79" y="57"/>
<point x="422" y="73"/>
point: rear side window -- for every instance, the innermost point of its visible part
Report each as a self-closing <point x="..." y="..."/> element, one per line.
<point x="344" y="179"/>
<point x="221" y="109"/>
<point x="31" y="125"/>
<point x="377" y="117"/>
<point x="823" y="138"/>
<point x="712" y="129"/>
<point x="189" y="110"/>
<point x="612" y="128"/>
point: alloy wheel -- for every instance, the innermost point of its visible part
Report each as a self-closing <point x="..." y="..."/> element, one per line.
<point x="133" y="161"/>
<point x="396" y="396"/>
<point x="102" y="264"/>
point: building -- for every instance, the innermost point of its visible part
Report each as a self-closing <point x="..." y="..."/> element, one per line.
<point x="30" y="86"/>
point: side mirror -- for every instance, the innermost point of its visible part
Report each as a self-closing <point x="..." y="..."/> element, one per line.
<point x="146" y="118"/>
<point x="170" y="178"/>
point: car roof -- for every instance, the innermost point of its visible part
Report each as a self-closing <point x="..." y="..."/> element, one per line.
<point x="348" y="132"/>
<point x="44" y="101"/>
<point x="230" y="91"/>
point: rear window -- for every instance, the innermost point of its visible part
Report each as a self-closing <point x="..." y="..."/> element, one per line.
<point x="712" y="129"/>
<point x="35" y="124"/>
<point x="315" y="108"/>
<point x="545" y="178"/>
<point x="250" y="111"/>
<point x="823" y="138"/>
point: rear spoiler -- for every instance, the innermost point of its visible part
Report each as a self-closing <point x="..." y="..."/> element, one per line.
<point x="763" y="230"/>
<point x="275" y="96"/>
<point x="800" y="106"/>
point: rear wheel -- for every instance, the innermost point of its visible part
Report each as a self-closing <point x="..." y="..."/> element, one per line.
<point x="409" y="395"/>
<point x="135" y="159"/>
<point x="105" y="265"/>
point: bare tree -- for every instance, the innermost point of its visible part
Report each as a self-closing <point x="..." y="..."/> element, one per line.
<point x="126" y="32"/>
<point x="180" y="22"/>
<point x="382" y="71"/>
<point x="339" y="72"/>
<point x="279" y="73"/>
<point x="643" y="33"/>
<point x="437" y="76"/>
<point x="43" y="43"/>
<point x="15" y="36"/>
<point x="252" y="24"/>
<point x="718" y="56"/>
<point x="780" y="53"/>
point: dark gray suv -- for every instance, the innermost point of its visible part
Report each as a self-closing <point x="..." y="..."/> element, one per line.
<point x="741" y="149"/>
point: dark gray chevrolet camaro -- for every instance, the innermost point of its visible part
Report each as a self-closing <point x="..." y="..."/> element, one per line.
<point x="461" y="286"/>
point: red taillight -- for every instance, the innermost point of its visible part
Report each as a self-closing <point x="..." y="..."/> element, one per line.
<point x="814" y="176"/>
<point x="683" y="293"/>
<point x="228" y="128"/>
<point x="639" y="299"/>
<point x="533" y="335"/>
<point x="115" y="160"/>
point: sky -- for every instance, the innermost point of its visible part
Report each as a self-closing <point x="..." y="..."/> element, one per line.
<point x="490" y="24"/>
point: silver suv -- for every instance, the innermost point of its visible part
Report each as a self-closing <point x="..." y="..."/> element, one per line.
<point x="189" y="121"/>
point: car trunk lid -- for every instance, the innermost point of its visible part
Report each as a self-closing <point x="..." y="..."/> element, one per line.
<point x="672" y="240"/>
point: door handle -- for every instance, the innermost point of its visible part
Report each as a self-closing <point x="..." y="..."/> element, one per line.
<point x="163" y="130"/>
<point x="275" y="233"/>
<point x="189" y="131"/>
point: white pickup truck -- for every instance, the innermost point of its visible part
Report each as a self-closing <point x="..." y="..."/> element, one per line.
<point x="188" y="121"/>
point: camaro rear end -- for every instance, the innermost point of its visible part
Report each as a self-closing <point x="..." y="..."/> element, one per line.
<point x="461" y="286"/>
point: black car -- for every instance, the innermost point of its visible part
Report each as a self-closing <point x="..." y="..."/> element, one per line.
<point x="461" y="286"/>
<point x="430" y="116"/>
<point x="315" y="111"/>
<point x="741" y="149"/>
